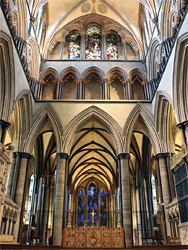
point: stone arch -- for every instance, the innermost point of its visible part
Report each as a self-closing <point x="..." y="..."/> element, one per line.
<point x="164" y="25"/>
<point x="165" y="120"/>
<point x="137" y="79"/>
<point x="45" y="114"/>
<point x="139" y="113"/>
<point x="94" y="70"/>
<point x="22" y="109"/>
<point x="151" y="62"/>
<point x="34" y="61"/>
<point x="49" y="71"/>
<point x="83" y="118"/>
<point x="70" y="70"/>
<point x="23" y="20"/>
<point x="180" y="76"/>
<point x="7" y="81"/>
<point x="117" y="70"/>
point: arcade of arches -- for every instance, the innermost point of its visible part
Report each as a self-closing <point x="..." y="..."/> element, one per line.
<point x="94" y="122"/>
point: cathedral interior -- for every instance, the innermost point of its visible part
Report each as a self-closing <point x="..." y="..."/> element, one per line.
<point x="94" y="122"/>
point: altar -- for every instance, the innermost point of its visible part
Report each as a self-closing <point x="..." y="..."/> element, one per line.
<point x="93" y="238"/>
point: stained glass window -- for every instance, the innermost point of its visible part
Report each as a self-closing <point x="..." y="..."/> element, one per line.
<point x="154" y="194"/>
<point x="74" y="46"/>
<point x="81" y="208"/>
<point x="92" y="204"/>
<point x="93" y="43"/>
<point x="112" y="46"/>
<point x="103" y="208"/>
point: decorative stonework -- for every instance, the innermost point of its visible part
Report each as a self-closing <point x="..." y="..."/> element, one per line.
<point x="86" y="7"/>
<point x="176" y="158"/>
<point x="102" y="8"/>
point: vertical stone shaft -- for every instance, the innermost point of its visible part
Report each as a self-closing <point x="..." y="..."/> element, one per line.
<point x="20" y="192"/>
<point x="59" y="198"/>
<point x="125" y="197"/>
<point x="165" y="191"/>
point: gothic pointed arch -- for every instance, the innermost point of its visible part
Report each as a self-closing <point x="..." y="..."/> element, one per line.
<point x="45" y="114"/>
<point x="93" y="70"/>
<point x="154" y="53"/>
<point x="84" y="117"/>
<point x="33" y="57"/>
<point x="21" y="120"/>
<point x="70" y="70"/>
<point x="23" y="20"/>
<point x="7" y="80"/>
<point x="49" y="71"/>
<point x="166" y="123"/>
<point x="116" y="70"/>
<point x="139" y="113"/>
<point x="180" y="76"/>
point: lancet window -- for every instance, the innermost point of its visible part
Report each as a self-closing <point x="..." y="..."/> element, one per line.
<point x="112" y="46"/>
<point x="74" y="46"/>
<point x="93" y="43"/>
<point x="81" y="205"/>
<point x="92" y="204"/>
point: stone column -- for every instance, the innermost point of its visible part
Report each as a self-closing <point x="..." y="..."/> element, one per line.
<point x="82" y="46"/>
<point x="125" y="50"/>
<point x="11" y="174"/>
<point x="59" y="198"/>
<point x="105" y="90"/>
<point x="3" y="129"/>
<point x="126" y="85"/>
<point x="80" y="90"/>
<point x="104" y="50"/>
<point x="20" y="192"/>
<point x="61" y="50"/>
<point x="164" y="191"/>
<point x="125" y="197"/>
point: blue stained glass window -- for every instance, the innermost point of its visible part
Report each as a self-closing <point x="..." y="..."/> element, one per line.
<point x="81" y="208"/>
<point x="92" y="204"/>
<point x="103" y="208"/>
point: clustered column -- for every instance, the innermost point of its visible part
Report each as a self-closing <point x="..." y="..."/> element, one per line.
<point x="20" y="189"/>
<point x="59" y="204"/>
<point x="164" y="190"/>
<point x="124" y="180"/>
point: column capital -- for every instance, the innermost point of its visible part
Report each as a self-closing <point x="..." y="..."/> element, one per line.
<point x="155" y="19"/>
<point x="62" y="156"/>
<point x="4" y="123"/>
<point x="161" y="155"/>
<point x="180" y="125"/>
<point x="123" y="156"/>
<point x="185" y="123"/>
<point x="22" y="155"/>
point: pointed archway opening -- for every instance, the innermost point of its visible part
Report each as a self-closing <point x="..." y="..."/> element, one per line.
<point x="92" y="186"/>
<point x="145" y="190"/>
<point x="40" y="188"/>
